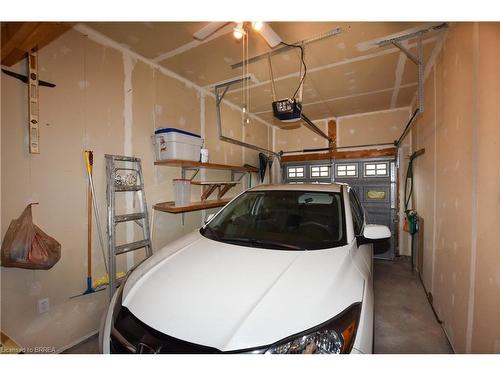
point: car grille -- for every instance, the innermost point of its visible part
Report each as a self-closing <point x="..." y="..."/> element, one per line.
<point x="130" y="335"/>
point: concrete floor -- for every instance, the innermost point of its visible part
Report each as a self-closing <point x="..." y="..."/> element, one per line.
<point x="404" y="321"/>
<point x="89" y="346"/>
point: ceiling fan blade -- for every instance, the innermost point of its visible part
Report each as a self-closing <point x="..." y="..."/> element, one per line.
<point x="270" y="36"/>
<point x="208" y="30"/>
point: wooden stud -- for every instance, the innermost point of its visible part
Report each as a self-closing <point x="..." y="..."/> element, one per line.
<point x="332" y="132"/>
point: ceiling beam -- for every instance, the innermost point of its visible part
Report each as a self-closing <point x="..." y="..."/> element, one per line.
<point x="18" y="38"/>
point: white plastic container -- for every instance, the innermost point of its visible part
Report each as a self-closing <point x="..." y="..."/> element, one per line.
<point x="204" y="155"/>
<point x="182" y="188"/>
<point x="171" y="143"/>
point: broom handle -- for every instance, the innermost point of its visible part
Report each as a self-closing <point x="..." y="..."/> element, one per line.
<point x="89" y="218"/>
<point x="96" y="210"/>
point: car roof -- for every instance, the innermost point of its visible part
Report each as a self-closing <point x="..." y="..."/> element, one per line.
<point x="329" y="187"/>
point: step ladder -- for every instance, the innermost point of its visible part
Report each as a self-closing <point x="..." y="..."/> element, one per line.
<point x="124" y="175"/>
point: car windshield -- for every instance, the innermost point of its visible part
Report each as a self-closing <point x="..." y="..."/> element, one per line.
<point x="285" y="220"/>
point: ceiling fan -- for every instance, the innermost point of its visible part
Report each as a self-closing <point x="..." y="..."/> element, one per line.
<point x="263" y="28"/>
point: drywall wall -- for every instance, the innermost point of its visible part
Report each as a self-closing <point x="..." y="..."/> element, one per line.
<point x="108" y="100"/>
<point x="485" y="326"/>
<point x="300" y="138"/>
<point x="425" y="192"/>
<point x="373" y="127"/>
<point x="457" y="186"/>
<point x="353" y="130"/>
<point x="81" y="112"/>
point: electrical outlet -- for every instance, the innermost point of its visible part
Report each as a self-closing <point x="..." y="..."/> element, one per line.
<point x="43" y="305"/>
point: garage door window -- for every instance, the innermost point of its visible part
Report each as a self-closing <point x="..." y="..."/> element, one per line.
<point x="346" y="170"/>
<point x="320" y="171"/>
<point x="295" y="172"/>
<point x="377" y="169"/>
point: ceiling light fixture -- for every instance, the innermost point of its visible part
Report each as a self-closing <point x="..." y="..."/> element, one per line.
<point x="239" y="31"/>
<point x="257" y="26"/>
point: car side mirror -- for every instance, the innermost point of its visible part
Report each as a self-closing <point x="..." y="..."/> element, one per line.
<point x="208" y="218"/>
<point x="374" y="232"/>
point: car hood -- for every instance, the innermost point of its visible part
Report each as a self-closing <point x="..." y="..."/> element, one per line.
<point x="233" y="297"/>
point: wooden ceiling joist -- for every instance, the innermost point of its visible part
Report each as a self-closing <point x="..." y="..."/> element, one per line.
<point x="20" y="37"/>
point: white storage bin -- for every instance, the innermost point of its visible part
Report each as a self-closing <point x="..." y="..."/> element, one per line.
<point x="182" y="188"/>
<point x="171" y="143"/>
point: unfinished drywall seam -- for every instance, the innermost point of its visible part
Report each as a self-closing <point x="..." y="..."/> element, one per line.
<point x="99" y="38"/>
<point x="400" y="68"/>
<point x="434" y="214"/>
<point x="156" y="174"/>
<point x="325" y="124"/>
<point x="435" y="53"/>
<point x="128" y="67"/>
<point x="475" y="162"/>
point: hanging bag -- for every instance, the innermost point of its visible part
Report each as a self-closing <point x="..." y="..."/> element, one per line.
<point x="27" y="246"/>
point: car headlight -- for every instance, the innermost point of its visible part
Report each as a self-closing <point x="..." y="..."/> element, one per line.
<point x="336" y="336"/>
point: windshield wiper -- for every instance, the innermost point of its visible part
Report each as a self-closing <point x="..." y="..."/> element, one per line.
<point x="260" y="242"/>
<point x="214" y="234"/>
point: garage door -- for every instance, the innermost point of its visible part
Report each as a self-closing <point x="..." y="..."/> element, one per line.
<point x="374" y="181"/>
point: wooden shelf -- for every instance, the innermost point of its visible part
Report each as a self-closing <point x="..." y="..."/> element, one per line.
<point x="204" y="183"/>
<point x="197" y="164"/>
<point x="194" y="206"/>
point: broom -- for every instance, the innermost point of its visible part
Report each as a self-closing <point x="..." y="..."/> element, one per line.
<point x="89" y="162"/>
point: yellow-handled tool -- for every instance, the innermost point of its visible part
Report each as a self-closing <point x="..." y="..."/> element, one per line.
<point x="89" y="162"/>
<point x="91" y="202"/>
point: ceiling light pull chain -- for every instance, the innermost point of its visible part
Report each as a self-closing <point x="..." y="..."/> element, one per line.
<point x="247" y="83"/>
<point x="302" y="79"/>
<point x="243" y="77"/>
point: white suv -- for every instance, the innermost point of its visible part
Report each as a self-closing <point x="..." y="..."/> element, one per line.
<point x="280" y="269"/>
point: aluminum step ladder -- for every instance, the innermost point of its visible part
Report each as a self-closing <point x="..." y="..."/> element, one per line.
<point x="124" y="174"/>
